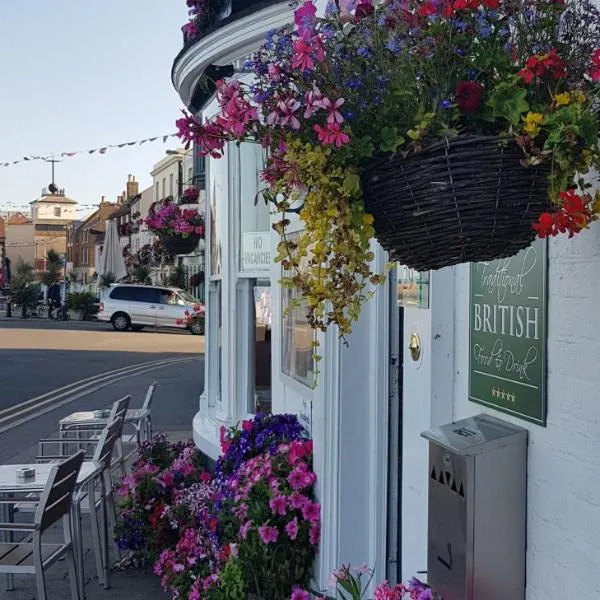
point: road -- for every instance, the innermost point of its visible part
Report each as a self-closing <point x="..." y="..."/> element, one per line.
<point x="93" y="365"/>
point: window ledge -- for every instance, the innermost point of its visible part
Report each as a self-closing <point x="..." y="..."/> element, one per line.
<point x="206" y="430"/>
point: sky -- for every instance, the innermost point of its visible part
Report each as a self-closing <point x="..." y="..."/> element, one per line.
<point x="77" y="75"/>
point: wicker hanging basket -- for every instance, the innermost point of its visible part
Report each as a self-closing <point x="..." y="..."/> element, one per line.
<point x="178" y="245"/>
<point x="464" y="199"/>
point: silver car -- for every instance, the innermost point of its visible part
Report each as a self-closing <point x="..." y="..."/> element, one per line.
<point x="137" y="306"/>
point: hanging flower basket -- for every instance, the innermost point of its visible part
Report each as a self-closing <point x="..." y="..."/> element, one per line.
<point x="179" y="245"/>
<point x="464" y="199"/>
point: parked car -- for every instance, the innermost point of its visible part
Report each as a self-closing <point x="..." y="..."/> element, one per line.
<point x="137" y="306"/>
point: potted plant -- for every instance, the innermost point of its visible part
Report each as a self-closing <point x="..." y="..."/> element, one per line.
<point x="194" y="321"/>
<point x="189" y="196"/>
<point x="450" y="130"/>
<point x="179" y="229"/>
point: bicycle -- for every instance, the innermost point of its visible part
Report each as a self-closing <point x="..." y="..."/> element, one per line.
<point x="61" y="313"/>
<point x="43" y="311"/>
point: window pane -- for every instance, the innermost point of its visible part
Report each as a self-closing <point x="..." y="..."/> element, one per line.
<point x="255" y="227"/>
<point x="262" y="347"/>
<point x="118" y="293"/>
<point x="218" y="197"/>
<point x="297" y="359"/>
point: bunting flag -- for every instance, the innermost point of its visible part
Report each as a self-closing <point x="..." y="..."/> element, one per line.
<point x="101" y="150"/>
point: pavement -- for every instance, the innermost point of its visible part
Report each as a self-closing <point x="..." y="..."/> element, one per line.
<point x="38" y="358"/>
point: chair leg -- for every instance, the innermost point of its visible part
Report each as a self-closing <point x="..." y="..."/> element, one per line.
<point x="105" y="550"/>
<point x="96" y="539"/>
<point x="71" y="541"/>
<point x="40" y="578"/>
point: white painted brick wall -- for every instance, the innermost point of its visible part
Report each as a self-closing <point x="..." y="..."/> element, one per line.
<point x="563" y="558"/>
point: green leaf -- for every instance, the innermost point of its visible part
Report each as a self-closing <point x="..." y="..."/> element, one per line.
<point x="352" y="183"/>
<point x="508" y="101"/>
<point x="363" y="146"/>
<point x="588" y="128"/>
<point x="390" y="140"/>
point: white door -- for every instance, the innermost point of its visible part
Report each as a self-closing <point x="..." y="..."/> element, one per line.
<point x="142" y="305"/>
<point x="427" y="388"/>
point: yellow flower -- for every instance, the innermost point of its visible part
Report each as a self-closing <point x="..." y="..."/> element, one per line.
<point x="368" y="219"/>
<point x="531" y="123"/>
<point x="578" y="96"/>
<point x="562" y="99"/>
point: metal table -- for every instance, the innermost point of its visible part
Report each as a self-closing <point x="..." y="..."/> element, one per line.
<point x="12" y="491"/>
<point x="86" y="420"/>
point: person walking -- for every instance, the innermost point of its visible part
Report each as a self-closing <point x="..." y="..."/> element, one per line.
<point x="54" y="298"/>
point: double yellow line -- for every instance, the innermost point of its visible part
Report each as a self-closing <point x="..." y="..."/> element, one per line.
<point x="14" y="416"/>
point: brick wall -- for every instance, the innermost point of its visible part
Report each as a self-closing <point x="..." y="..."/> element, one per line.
<point x="564" y="458"/>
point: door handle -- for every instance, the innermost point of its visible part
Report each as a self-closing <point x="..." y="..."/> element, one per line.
<point x="161" y="308"/>
<point x="152" y="306"/>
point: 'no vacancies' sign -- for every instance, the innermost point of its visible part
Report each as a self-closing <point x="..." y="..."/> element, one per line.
<point x="507" y="362"/>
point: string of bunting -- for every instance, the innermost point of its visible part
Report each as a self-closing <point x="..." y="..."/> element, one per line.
<point x="100" y="150"/>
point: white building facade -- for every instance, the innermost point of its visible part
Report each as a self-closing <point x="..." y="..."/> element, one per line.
<point x="373" y="398"/>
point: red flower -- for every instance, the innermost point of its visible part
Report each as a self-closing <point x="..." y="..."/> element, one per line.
<point x="572" y="216"/>
<point x="468" y="96"/>
<point x="541" y="65"/>
<point x="594" y="71"/>
<point x="427" y="9"/>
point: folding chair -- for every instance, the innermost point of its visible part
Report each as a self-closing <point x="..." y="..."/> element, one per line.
<point x="98" y="501"/>
<point x="34" y="557"/>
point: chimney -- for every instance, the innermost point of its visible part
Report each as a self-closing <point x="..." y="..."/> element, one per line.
<point x="133" y="187"/>
<point x="119" y="200"/>
<point x="102" y="200"/>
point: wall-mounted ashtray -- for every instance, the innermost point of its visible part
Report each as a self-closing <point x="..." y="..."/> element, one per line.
<point x="25" y="474"/>
<point x="101" y="414"/>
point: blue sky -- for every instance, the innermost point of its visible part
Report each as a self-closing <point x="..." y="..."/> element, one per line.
<point x="76" y="75"/>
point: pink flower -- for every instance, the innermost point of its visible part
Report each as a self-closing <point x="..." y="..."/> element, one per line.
<point x="247" y="425"/>
<point x="332" y="134"/>
<point x="386" y="592"/>
<point x="244" y="529"/>
<point x="287" y="108"/>
<point x="312" y="103"/>
<point x="334" y="116"/>
<point x="311" y="511"/>
<point x="296" y="479"/>
<point x="305" y="18"/>
<point x="302" y="58"/>
<point x="299" y="594"/>
<point x="268" y="534"/>
<point x="292" y="529"/>
<point x="241" y="511"/>
<point x="278" y="505"/>
<point x="297" y="500"/>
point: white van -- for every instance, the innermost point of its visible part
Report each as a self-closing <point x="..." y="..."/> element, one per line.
<point x="137" y="306"/>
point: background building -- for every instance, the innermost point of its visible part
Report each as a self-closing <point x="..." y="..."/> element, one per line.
<point x="51" y="215"/>
<point x="84" y="236"/>
<point x="20" y="239"/>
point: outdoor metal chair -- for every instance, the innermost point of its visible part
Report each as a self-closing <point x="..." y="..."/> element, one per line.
<point x="98" y="500"/>
<point x="34" y="557"/>
<point x="86" y="437"/>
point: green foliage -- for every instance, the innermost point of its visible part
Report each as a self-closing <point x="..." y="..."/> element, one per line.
<point x="24" y="291"/>
<point x="106" y="280"/>
<point x="177" y="278"/>
<point x="231" y="585"/>
<point x="80" y="301"/>
<point x="508" y="101"/>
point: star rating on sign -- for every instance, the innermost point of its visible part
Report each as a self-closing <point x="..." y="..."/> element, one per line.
<point x="503" y="395"/>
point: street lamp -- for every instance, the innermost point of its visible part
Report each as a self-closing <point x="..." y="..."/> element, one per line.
<point x="179" y="170"/>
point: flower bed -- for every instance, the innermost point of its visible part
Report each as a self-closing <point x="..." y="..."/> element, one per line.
<point x="251" y="531"/>
<point x="254" y="528"/>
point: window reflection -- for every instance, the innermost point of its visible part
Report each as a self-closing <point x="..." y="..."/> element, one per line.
<point x="218" y="197"/>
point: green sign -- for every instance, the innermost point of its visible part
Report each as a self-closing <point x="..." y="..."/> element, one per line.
<point x="507" y="341"/>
